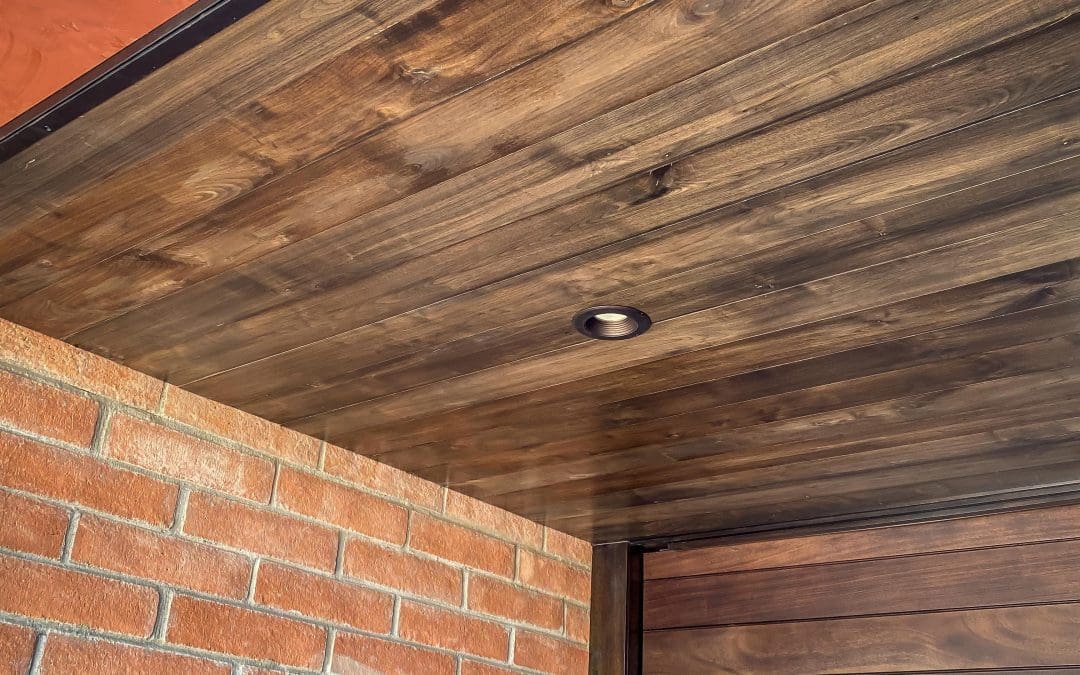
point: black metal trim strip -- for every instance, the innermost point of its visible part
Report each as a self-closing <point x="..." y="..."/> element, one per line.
<point x="187" y="29"/>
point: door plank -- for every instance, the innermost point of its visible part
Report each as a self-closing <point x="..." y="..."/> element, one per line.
<point x="999" y="529"/>
<point x="1038" y="636"/>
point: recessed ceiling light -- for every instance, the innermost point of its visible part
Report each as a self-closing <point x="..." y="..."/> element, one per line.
<point x="611" y="322"/>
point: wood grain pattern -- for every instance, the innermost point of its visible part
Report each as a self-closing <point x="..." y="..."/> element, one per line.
<point x="990" y="638"/>
<point x="615" y="625"/>
<point x="855" y="224"/>
<point x="989" y="593"/>
<point x="1035" y="573"/>
<point x="472" y="214"/>
<point x="1035" y="525"/>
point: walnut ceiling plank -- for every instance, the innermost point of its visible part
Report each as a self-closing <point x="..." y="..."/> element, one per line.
<point x="431" y="147"/>
<point x="969" y="481"/>
<point x="460" y="45"/>
<point x="821" y="486"/>
<point x="599" y="481"/>
<point x="1022" y="247"/>
<point x="441" y="146"/>
<point x="859" y="243"/>
<point x="631" y="470"/>
<point x="934" y="419"/>
<point x="264" y="284"/>
<point x="498" y="436"/>
<point x="955" y="357"/>
<point x="601" y="275"/>
<point x="223" y="74"/>
<point x="518" y="297"/>
<point x="926" y="171"/>
<point x="935" y="221"/>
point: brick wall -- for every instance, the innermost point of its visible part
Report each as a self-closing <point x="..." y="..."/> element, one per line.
<point x="144" y="529"/>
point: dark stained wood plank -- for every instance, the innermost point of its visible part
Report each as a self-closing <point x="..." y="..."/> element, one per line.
<point x="615" y="610"/>
<point x="403" y="70"/>
<point x="222" y="74"/>
<point x="673" y="401"/>
<point x="578" y="464"/>
<point x="1039" y="636"/>
<point x="1020" y="527"/>
<point x="1021" y="574"/>
<point x="1022" y="247"/>
<point x="335" y="253"/>
<point x="824" y="477"/>
<point x="343" y="379"/>
<point x="324" y="194"/>
<point x="511" y="424"/>
<point x="790" y="471"/>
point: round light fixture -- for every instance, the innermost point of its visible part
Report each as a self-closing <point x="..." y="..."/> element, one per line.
<point x="611" y="322"/>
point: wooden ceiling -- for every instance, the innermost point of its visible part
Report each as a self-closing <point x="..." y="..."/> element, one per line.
<point x="854" y="223"/>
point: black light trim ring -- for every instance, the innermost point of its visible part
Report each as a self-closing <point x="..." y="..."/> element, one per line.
<point x="592" y="323"/>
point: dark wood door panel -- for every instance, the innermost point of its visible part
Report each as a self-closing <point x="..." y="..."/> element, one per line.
<point x="1019" y="637"/>
<point x="1025" y="574"/>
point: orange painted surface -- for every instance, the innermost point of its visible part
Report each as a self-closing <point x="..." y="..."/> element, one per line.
<point x="45" y="44"/>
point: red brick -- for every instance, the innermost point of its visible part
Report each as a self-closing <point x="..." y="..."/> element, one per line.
<point x="491" y="596"/>
<point x="554" y="576"/>
<point x="46" y="411"/>
<point x="477" y="668"/>
<point x="237" y="425"/>
<point x="453" y="631"/>
<point x="550" y="655"/>
<point x="175" y="454"/>
<point x="260" y="531"/>
<point x="577" y="623"/>
<point x="244" y="632"/>
<point x="48" y="356"/>
<point x="70" y="477"/>
<point x="487" y="517"/>
<point x="294" y="590"/>
<point x="42" y="591"/>
<point x="571" y="548"/>
<point x="361" y="654"/>
<point x="150" y="555"/>
<point x="67" y="654"/>
<point x="26" y="525"/>
<point x="342" y="506"/>
<point x="403" y="571"/>
<point x="16" y="649"/>
<point x="467" y="547"/>
<point x="379" y="477"/>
